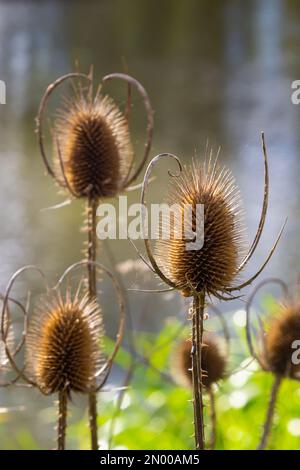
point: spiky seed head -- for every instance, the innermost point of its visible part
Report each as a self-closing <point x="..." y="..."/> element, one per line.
<point x="213" y="267"/>
<point x="213" y="361"/>
<point x="63" y="346"/>
<point x="283" y="330"/>
<point x="95" y="146"/>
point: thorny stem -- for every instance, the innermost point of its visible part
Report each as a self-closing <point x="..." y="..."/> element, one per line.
<point x="92" y="244"/>
<point x="91" y="256"/>
<point x="270" y="413"/>
<point x="213" y="418"/>
<point x="197" y="333"/>
<point x="62" y="419"/>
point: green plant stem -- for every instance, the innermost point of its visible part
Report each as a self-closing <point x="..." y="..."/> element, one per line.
<point x="62" y="419"/>
<point x="91" y="256"/>
<point x="270" y="413"/>
<point x="197" y="334"/>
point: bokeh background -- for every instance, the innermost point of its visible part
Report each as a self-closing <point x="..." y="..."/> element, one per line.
<point x="217" y="72"/>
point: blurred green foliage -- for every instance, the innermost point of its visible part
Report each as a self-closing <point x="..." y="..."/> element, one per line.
<point x="157" y="414"/>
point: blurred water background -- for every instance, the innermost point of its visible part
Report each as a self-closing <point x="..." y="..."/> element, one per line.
<point x="216" y="72"/>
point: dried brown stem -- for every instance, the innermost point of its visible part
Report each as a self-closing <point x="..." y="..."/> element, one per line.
<point x="270" y="413"/>
<point x="213" y="418"/>
<point x="91" y="269"/>
<point x="62" y="419"/>
<point x="197" y="334"/>
<point x="93" y="414"/>
<point x="92" y="245"/>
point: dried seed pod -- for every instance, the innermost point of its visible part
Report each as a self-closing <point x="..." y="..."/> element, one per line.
<point x="212" y="359"/>
<point x="93" y="146"/>
<point x="283" y="331"/>
<point x="63" y="346"/>
<point x="212" y="268"/>
<point x="93" y="155"/>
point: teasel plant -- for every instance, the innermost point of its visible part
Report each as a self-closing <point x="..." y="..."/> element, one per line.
<point x="215" y="353"/>
<point x="62" y="339"/>
<point x="276" y="340"/>
<point x="210" y="271"/>
<point x="94" y="157"/>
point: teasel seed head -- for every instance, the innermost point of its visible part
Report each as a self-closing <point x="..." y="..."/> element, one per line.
<point x="94" y="145"/>
<point x="212" y="268"/>
<point x="283" y="330"/>
<point x="213" y="362"/>
<point x="63" y="345"/>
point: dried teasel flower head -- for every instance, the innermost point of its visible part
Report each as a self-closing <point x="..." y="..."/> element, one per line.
<point x="279" y="337"/>
<point x="63" y="345"/>
<point x="94" y="145"/>
<point x="93" y="154"/>
<point x="213" y="362"/>
<point x="213" y="267"/>
<point x="283" y="332"/>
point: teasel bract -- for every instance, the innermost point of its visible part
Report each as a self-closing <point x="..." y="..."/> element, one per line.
<point x="279" y="339"/>
<point x="10" y="346"/>
<point x="93" y="158"/>
<point x="63" y="340"/>
<point x="212" y="269"/>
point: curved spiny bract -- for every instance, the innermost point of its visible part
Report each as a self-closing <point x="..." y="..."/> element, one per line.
<point x="94" y="146"/>
<point x="213" y="267"/>
<point x="93" y="155"/>
<point x="63" y="346"/>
